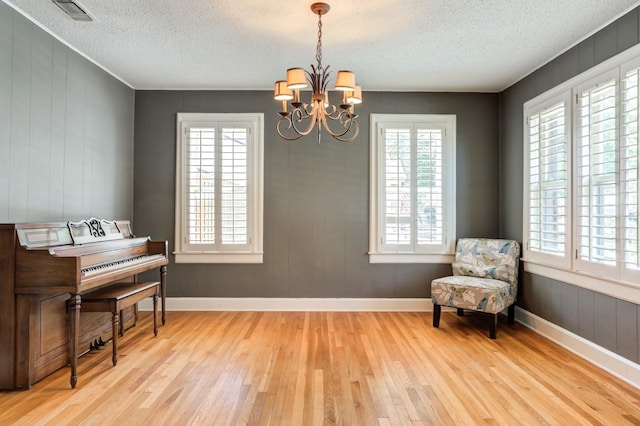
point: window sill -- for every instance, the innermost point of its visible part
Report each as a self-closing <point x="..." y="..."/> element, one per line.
<point x="410" y="258"/>
<point x="619" y="289"/>
<point x="203" y="257"/>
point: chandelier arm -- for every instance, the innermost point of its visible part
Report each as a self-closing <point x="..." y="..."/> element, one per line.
<point x="301" y="113"/>
<point x="307" y="111"/>
<point x="300" y="118"/>
<point x="342" y="116"/>
<point x="334" y="114"/>
<point x="313" y="117"/>
<point x="339" y="136"/>
<point x="348" y="124"/>
<point x="288" y="138"/>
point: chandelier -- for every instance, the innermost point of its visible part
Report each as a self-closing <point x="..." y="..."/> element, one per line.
<point x="303" y="117"/>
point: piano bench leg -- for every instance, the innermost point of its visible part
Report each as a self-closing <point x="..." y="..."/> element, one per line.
<point x="115" y="330"/>
<point x="121" y="328"/>
<point x="155" y="314"/>
<point x="163" y="291"/>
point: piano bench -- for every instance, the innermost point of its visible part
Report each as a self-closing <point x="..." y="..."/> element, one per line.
<point x="116" y="297"/>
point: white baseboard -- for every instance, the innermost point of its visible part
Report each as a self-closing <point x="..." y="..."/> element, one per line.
<point x="293" y="304"/>
<point x="609" y="361"/>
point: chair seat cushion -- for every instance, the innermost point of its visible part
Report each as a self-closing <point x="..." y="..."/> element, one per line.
<point x="479" y="294"/>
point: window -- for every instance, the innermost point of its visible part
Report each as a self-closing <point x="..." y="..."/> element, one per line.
<point x="547" y="181"/>
<point x="629" y="175"/>
<point x="412" y="188"/>
<point x="219" y="166"/>
<point x="581" y="176"/>
<point x="596" y="162"/>
<point x="606" y="170"/>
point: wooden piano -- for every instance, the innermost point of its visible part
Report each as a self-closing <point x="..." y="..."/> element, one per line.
<point x="44" y="270"/>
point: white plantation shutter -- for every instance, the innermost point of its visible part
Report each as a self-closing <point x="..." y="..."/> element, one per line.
<point x="201" y="186"/>
<point x="548" y="183"/>
<point x="234" y="179"/>
<point x="219" y="188"/>
<point x="629" y="175"/>
<point x="429" y="186"/>
<point x="397" y="187"/>
<point x="413" y="169"/>
<point x="596" y="187"/>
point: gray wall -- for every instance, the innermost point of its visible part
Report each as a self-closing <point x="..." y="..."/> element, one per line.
<point x="66" y="131"/>
<point x="316" y="207"/>
<point x="604" y="320"/>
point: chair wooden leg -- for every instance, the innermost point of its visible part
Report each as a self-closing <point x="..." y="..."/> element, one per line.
<point x="493" y="325"/>
<point x="511" y="314"/>
<point x="460" y="311"/>
<point x="436" y="315"/>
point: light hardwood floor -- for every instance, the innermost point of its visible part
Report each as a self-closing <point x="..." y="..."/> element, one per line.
<point x="304" y="368"/>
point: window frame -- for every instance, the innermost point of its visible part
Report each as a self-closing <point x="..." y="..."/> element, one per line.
<point x="252" y="252"/>
<point x="379" y="252"/>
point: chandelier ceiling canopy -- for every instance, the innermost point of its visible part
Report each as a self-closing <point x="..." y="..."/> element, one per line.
<point x="319" y="112"/>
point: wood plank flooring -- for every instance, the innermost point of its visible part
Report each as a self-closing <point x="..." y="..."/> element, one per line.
<point x="306" y="368"/>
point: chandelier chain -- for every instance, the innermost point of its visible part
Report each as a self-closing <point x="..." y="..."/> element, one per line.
<point x="319" y="46"/>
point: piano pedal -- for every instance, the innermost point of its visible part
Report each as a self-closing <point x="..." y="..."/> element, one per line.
<point x="97" y="344"/>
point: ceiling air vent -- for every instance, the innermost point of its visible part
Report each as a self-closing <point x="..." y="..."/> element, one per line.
<point x="72" y="9"/>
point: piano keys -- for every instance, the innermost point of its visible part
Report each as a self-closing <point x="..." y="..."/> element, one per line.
<point x="44" y="270"/>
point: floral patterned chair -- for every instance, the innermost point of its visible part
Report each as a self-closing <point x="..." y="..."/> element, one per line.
<point x="485" y="279"/>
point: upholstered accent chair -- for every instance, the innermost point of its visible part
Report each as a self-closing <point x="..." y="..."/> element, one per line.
<point x="485" y="279"/>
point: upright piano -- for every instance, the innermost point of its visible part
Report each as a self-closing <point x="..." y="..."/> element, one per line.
<point x="44" y="270"/>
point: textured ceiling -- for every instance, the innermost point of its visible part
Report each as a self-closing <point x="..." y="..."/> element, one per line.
<point x="403" y="45"/>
